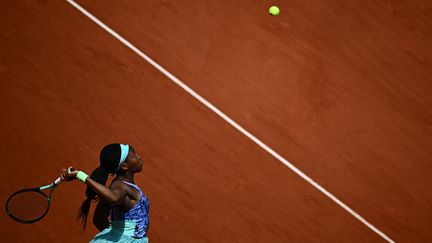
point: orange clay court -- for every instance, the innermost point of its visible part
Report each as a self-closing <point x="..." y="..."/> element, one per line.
<point x="340" y="89"/>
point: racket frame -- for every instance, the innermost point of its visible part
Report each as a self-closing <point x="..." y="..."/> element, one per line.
<point x="53" y="185"/>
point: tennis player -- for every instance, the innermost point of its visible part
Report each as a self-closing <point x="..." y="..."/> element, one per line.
<point x="122" y="213"/>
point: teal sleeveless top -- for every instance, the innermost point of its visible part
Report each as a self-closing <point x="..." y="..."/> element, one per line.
<point x="139" y="214"/>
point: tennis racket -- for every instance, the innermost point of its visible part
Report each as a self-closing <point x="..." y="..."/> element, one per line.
<point x="31" y="204"/>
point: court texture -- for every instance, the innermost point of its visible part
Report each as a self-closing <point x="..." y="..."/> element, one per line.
<point x="311" y="126"/>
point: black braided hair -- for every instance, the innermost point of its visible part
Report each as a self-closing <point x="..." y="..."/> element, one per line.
<point x="109" y="159"/>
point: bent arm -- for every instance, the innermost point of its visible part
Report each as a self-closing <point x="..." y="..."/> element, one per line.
<point x="115" y="195"/>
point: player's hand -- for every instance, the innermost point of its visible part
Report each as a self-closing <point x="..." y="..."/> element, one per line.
<point x="68" y="174"/>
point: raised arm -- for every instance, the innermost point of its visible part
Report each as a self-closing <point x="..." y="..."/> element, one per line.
<point x="114" y="195"/>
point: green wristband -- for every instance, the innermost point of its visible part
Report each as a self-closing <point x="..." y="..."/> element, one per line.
<point x="81" y="176"/>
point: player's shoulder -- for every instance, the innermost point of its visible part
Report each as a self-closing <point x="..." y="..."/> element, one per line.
<point x="118" y="184"/>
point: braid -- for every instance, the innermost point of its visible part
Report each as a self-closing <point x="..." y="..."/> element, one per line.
<point x="100" y="175"/>
<point x="109" y="158"/>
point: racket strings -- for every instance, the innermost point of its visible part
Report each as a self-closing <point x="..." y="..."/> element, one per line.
<point x="28" y="205"/>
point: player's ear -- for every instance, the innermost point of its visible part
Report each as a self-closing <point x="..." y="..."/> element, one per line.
<point x="124" y="166"/>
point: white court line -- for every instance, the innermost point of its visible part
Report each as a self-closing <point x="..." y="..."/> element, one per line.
<point x="229" y="120"/>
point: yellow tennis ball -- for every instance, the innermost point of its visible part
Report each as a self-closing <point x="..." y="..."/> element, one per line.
<point x="274" y="10"/>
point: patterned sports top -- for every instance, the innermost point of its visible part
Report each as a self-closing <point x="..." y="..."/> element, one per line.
<point x="138" y="214"/>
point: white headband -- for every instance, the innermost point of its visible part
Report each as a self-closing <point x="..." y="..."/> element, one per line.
<point x="124" y="153"/>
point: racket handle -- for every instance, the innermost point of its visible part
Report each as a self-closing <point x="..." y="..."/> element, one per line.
<point x="58" y="181"/>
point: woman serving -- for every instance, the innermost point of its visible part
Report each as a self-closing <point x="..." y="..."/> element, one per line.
<point x="122" y="213"/>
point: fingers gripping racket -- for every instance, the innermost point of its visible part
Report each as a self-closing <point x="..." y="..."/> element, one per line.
<point x="31" y="204"/>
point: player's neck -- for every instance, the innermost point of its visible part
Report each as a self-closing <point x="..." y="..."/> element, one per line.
<point x="128" y="177"/>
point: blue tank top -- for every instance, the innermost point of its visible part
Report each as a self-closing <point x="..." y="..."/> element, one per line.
<point x="139" y="213"/>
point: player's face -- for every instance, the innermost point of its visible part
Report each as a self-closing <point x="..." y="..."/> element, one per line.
<point x="134" y="161"/>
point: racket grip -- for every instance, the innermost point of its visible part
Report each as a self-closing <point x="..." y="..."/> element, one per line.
<point x="58" y="181"/>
